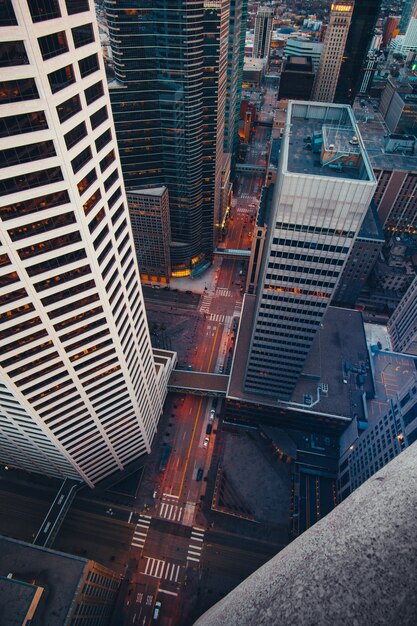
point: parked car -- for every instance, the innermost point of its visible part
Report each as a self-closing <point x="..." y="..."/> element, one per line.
<point x="199" y="473"/>
<point x="212" y="414"/>
<point x="206" y="442"/>
<point x="209" y="428"/>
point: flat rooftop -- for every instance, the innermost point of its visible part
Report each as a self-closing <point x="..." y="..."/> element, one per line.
<point x="336" y="125"/>
<point x="148" y="191"/>
<point x="374" y="134"/>
<point x="341" y="340"/>
<point x="58" y="573"/>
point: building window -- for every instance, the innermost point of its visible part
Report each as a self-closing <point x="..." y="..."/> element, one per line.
<point x="26" y="154"/>
<point x="77" y="6"/>
<point x="7" y="14"/>
<point x="61" y="78"/>
<point x="18" y="90"/>
<point x="98" y="117"/>
<point x="89" y="65"/>
<point x="53" y="45"/>
<point x="88" y="180"/>
<point x="103" y="140"/>
<point x="56" y="243"/>
<point x="24" y="123"/>
<point x="68" y="108"/>
<point x="111" y="180"/>
<point x="82" y="35"/>
<point x="33" y="205"/>
<point x="13" y="53"/>
<point x="31" y="180"/>
<point x="81" y="159"/>
<point x="42" y="226"/>
<point x="42" y="10"/>
<point x="75" y="135"/>
<point x="94" y="92"/>
<point x="108" y="160"/>
<point x="92" y="201"/>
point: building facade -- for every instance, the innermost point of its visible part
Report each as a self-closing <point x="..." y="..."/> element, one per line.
<point x="297" y="79"/>
<point x="364" y="254"/>
<point x="78" y="388"/>
<point x="402" y="325"/>
<point x="331" y="57"/>
<point x="304" y="48"/>
<point x="263" y="30"/>
<point x="320" y="200"/>
<point x="149" y="216"/>
<point x="168" y="96"/>
<point x="362" y="27"/>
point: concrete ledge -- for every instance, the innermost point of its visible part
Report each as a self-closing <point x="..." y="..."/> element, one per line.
<point x="356" y="566"/>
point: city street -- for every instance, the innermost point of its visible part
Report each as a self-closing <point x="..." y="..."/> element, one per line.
<point x="166" y="543"/>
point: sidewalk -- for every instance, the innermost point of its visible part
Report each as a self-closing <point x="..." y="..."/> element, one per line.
<point x="198" y="283"/>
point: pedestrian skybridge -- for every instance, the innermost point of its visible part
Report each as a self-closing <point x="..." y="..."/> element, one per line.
<point x="239" y="255"/>
<point x="250" y="168"/>
<point x="198" y="383"/>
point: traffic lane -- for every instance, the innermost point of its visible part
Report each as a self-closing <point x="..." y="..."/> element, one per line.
<point x="121" y="513"/>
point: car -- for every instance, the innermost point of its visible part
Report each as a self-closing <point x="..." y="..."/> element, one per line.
<point x="209" y="428"/>
<point x="199" y="474"/>
<point x="206" y="442"/>
<point x="212" y="414"/>
<point x="157" y="610"/>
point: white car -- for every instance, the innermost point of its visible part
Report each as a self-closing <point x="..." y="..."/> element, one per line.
<point x="212" y="414"/>
<point x="206" y="442"/>
<point x="157" y="608"/>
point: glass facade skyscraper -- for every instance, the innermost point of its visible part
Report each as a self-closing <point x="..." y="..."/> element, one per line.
<point x="362" y="26"/>
<point x="167" y="90"/>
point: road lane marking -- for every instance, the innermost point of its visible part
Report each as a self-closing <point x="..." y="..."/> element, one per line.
<point x="189" y="447"/>
<point x="170" y="593"/>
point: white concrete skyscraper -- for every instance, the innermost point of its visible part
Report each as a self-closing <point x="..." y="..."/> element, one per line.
<point x="321" y="196"/>
<point x="79" y="390"/>
<point x="331" y="57"/>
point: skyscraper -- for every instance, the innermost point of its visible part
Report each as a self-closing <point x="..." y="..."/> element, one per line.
<point x="331" y="57"/>
<point x="365" y="15"/>
<point x="235" y="56"/>
<point x="79" y="394"/>
<point x="263" y="31"/>
<point x="402" y="325"/>
<point x="322" y="194"/>
<point x="165" y="96"/>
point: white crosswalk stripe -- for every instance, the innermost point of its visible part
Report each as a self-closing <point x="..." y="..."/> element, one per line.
<point x="169" y="508"/>
<point x="196" y="545"/>
<point x="223" y="319"/>
<point x="205" y="303"/>
<point x="158" y="568"/>
<point x="141" y="531"/>
<point x="223" y="291"/>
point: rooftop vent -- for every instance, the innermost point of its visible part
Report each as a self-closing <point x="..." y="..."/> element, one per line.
<point x="354" y="141"/>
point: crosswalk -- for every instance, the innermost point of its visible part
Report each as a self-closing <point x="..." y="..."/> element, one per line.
<point x="223" y="319"/>
<point x="169" y="508"/>
<point x="223" y="291"/>
<point x="196" y="545"/>
<point x="141" y="531"/>
<point x="205" y="303"/>
<point x="159" y="568"/>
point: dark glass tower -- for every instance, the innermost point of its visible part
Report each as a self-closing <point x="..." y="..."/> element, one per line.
<point x="365" y="15"/>
<point x="158" y="108"/>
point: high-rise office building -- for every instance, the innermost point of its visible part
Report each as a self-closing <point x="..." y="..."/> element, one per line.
<point x="402" y="325"/>
<point x="79" y="394"/>
<point x="263" y="31"/>
<point x="321" y="196"/>
<point x="403" y="44"/>
<point x="235" y="56"/>
<point x="165" y="96"/>
<point x="331" y="57"/>
<point x="304" y="48"/>
<point x="297" y="79"/>
<point x="406" y="15"/>
<point x="362" y="26"/>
